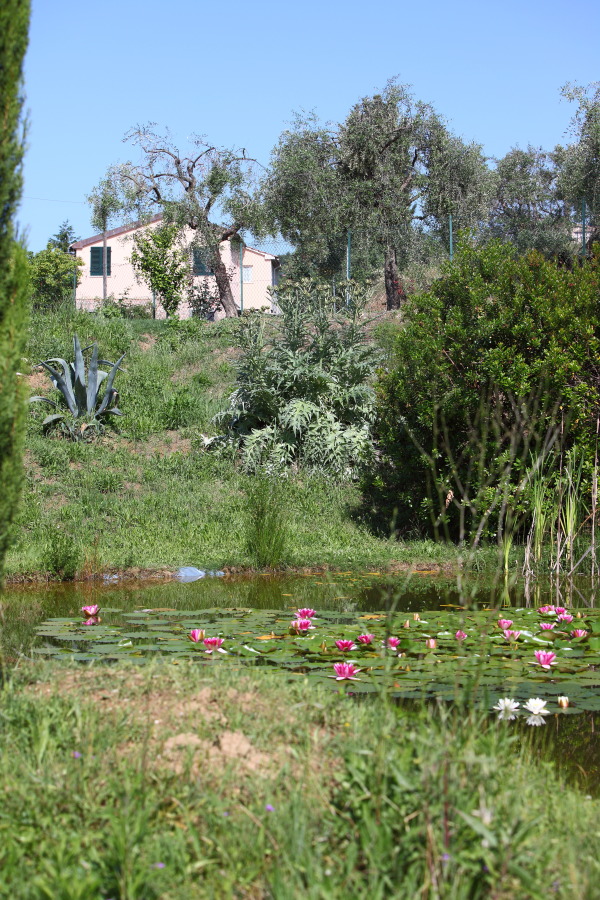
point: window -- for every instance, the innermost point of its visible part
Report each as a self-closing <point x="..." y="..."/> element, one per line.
<point x="96" y="260"/>
<point x="201" y="266"/>
<point x="247" y="274"/>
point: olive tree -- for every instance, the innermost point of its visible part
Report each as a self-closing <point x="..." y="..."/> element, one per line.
<point x="191" y="191"/>
<point x="390" y="164"/>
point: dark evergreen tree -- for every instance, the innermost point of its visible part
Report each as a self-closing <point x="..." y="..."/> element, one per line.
<point x="14" y="25"/>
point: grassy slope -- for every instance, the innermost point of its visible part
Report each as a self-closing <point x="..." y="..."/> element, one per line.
<point x="149" y="496"/>
<point x="180" y="783"/>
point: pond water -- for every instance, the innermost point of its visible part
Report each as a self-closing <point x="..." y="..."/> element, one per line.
<point x="139" y="619"/>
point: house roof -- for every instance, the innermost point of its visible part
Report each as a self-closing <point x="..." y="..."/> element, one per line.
<point x="124" y="229"/>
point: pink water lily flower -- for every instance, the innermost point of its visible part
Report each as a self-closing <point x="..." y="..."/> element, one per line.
<point x="431" y="643"/>
<point x="503" y="624"/>
<point x="511" y="635"/>
<point x="301" y="626"/>
<point x="196" y="635"/>
<point x="91" y="610"/>
<point x="345" y="672"/>
<point x="365" y="638"/>
<point x="306" y="613"/>
<point x="565" y="617"/>
<point x="460" y="635"/>
<point x="93" y="620"/>
<point x="547" y="626"/>
<point x="579" y="632"/>
<point x="559" y="610"/>
<point x="345" y="645"/>
<point x="214" y="643"/>
<point x="545" y="609"/>
<point x="545" y="658"/>
<point x="393" y="642"/>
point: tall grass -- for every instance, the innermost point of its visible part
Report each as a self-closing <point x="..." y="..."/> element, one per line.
<point x="268" y="533"/>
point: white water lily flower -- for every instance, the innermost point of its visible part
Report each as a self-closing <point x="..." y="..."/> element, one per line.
<point x="506" y="708"/>
<point x="536" y="720"/>
<point x="537" y="707"/>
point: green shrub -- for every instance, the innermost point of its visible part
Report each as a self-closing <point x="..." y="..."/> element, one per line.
<point x="495" y="365"/>
<point x="303" y="395"/>
<point x="61" y="555"/>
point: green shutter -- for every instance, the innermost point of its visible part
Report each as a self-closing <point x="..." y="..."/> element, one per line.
<point x="200" y="265"/>
<point x="96" y="261"/>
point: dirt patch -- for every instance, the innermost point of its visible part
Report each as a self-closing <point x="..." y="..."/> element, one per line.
<point x="146" y="342"/>
<point x="39" y="382"/>
<point x="187" y="750"/>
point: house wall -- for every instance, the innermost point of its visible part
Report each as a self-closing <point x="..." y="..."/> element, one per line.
<point x="122" y="283"/>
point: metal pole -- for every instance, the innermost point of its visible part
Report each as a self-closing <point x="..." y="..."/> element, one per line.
<point x="241" y="277"/>
<point x="583" y="229"/>
<point x="153" y="304"/>
<point x="451" y="242"/>
<point x="74" y="288"/>
<point x="348" y="256"/>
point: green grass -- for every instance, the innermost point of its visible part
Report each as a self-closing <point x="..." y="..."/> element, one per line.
<point x="149" y="495"/>
<point x="179" y="782"/>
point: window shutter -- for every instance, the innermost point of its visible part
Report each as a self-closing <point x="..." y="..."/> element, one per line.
<point x="200" y="265"/>
<point x="96" y="260"/>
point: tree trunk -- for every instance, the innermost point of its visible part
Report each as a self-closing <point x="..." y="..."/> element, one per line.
<point x="394" y="291"/>
<point x="104" y="264"/>
<point x="224" y="286"/>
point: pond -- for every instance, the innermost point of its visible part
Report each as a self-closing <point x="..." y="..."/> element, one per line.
<point x="363" y="632"/>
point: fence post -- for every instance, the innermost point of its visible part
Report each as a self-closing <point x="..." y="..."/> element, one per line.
<point x="583" y="229"/>
<point x="451" y="241"/>
<point x="153" y="304"/>
<point x="75" y="288"/>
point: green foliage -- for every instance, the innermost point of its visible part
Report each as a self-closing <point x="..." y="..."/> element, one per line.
<point x="494" y="366"/>
<point x="53" y="276"/>
<point x="14" y="281"/>
<point x="303" y="395"/>
<point x="83" y="394"/>
<point x="61" y="555"/>
<point x="64" y="237"/>
<point x="162" y="264"/>
<point x="267" y="530"/>
<point x="580" y="161"/>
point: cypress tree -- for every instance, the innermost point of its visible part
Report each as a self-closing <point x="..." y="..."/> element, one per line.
<point x="14" y="26"/>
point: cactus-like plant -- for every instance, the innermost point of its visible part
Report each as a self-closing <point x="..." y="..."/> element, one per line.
<point x="85" y="394"/>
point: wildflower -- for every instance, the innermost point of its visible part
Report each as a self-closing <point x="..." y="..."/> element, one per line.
<point x="158" y="865"/>
<point x="535" y="720"/>
<point x="196" y="635"/>
<point x="579" y="632"/>
<point x="506" y="708"/>
<point x="365" y="638"/>
<point x="460" y="635"/>
<point x="76" y="754"/>
<point x="565" y="617"/>
<point x="91" y="610"/>
<point x="536" y="706"/>
<point x="301" y="626"/>
<point x="431" y="643"/>
<point x="393" y="642"/>
<point x="344" y="646"/>
<point x="511" y="635"/>
<point x="544" y="610"/>
<point x="214" y="643"/>
<point x="269" y="807"/>
<point x="503" y="624"/>
<point x="547" y="626"/>
<point x="545" y="658"/>
<point x="345" y="672"/>
<point x="93" y="620"/>
<point x="306" y="613"/>
<point x="563" y="702"/>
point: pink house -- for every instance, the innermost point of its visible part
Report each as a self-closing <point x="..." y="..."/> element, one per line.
<point x="251" y="272"/>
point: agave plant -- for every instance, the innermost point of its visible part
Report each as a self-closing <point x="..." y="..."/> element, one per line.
<point x="86" y="395"/>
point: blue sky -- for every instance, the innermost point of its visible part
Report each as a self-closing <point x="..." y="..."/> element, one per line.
<point x="237" y="71"/>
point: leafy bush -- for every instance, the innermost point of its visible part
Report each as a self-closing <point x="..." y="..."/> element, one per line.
<point x="493" y="367"/>
<point x="86" y="398"/>
<point x="61" y="555"/>
<point x="303" y="394"/>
